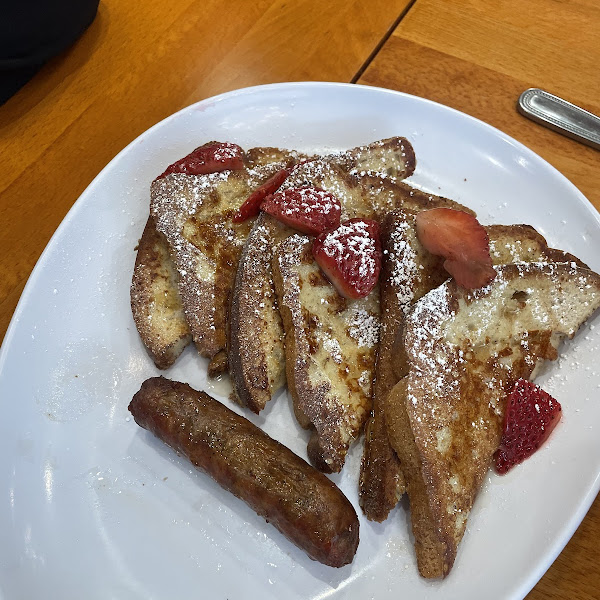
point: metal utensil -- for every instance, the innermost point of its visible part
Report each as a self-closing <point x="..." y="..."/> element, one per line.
<point x="560" y="115"/>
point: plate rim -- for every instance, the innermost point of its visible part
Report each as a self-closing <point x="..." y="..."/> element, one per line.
<point x="573" y="522"/>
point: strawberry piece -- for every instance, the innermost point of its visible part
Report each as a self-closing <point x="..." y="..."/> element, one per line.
<point x="461" y="240"/>
<point x="531" y="415"/>
<point x="251" y="206"/>
<point x="210" y="158"/>
<point x="350" y="256"/>
<point x="309" y="210"/>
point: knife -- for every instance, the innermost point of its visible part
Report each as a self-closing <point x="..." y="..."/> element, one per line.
<point x="560" y="115"/>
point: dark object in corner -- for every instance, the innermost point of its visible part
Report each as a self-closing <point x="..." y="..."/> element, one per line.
<point x="34" y="31"/>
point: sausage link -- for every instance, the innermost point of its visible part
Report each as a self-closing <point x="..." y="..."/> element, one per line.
<point x="308" y="508"/>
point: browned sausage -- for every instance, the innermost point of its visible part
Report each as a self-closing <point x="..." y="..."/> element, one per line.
<point x="308" y="508"/>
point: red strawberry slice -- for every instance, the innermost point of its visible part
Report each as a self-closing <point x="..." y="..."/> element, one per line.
<point x="251" y="207"/>
<point x="531" y="415"/>
<point x="210" y="158"/>
<point x="461" y="240"/>
<point x="309" y="210"/>
<point x="350" y="256"/>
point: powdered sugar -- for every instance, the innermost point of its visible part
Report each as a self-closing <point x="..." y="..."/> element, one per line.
<point x="363" y="327"/>
<point x="403" y="260"/>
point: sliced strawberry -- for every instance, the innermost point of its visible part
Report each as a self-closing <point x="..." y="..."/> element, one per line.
<point x="210" y="158"/>
<point x="470" y="274"/>
<point x="251" y="207"/>
<point x="531" y="415"/>
<point x="309" y="210"/>
<point x="461" y="240"/>
<point x="350" y="256"/>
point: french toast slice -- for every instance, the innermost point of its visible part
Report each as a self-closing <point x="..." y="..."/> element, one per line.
<point x="331" y="342"/>
<point x="464" y="351"/>
<point x="330" y="345"/>
<point x="155" y="302"/>
<point x="391" y="158"/>
<point x="256" y="334"/>
<point x="409" y="271"/>
<point x="256" y="353"/>
<point x="194" y="213"/>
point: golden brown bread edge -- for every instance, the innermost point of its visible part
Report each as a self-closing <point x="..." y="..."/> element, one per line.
<point x="256" y="333"/>
<point x="330" y="346"/>
<point x="445" y="417"/>
<point x="208" y="318"/>
<point x="155" y="303"/>
<point x="256" y="353"/>
<point x="155" y="300"/>
<point x="333" y="400"/>
<point x="408" y="273"/>
<point x="318" y="390"/>
<point x="381" y="482"/>
<point x="194" y="213"/>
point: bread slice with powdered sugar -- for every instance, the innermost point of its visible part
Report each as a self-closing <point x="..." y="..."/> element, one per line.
<point x="330" y="341"/>
<point x="155" y="301"/>
<point x="409" y="271"/>
<point x="194" y="214"/>
<point x="464" y="350"/>
<point x="256" y="347"/>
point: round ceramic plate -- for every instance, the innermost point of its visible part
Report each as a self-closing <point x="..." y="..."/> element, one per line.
<point x="94" y="507"/>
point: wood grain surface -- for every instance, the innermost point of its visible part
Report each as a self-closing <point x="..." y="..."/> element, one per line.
<point x="135" y="66"/>
<point x="478" y="56"/>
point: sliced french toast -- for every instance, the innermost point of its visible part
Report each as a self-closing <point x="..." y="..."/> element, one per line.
<point x="391" y="158"/>
<point x="155" y="302"/>
<point x="409" y="272"/>
<point x="256" y="333"/>
<point x="331" y="342"/>
<point x="256" y="353"/>
<point x="464" y="350"/>
<point x="194" y="213"/>
<point x="330" y="348"/>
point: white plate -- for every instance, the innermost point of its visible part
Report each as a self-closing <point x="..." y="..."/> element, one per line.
<point x="94" y="507"/>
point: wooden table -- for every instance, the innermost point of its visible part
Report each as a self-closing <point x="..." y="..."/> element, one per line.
<point x="134" y="67"/>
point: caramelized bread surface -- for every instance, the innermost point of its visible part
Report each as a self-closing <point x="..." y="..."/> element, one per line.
<point x="409" y="272"/>
<point x="256" y="336"/>
<point x="391" y="158"/>
<point x="194" y="214"/>
<point x="330" y="347"/>
<point x="256" y="333"/>
<point x="155" y="302"/>
<point x="464" y="350"/>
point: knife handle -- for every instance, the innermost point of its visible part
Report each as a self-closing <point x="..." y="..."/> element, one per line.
<point x="560" y="115"/>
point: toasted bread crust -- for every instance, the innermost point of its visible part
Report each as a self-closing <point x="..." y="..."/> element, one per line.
<point x="255" y="361"/>
<point x="194" y="213"/>
<point x="256" y="335"/>
<point x="465" y="345"/>
<point x="409" y="272"/>
<point x="206" y="246"/>
<point x="155" y="303"/>
<point x="522" y="243"/>
<point x="391" y="158"/>
<point x="430" y="550"/>
<point x="330" y="383"/>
